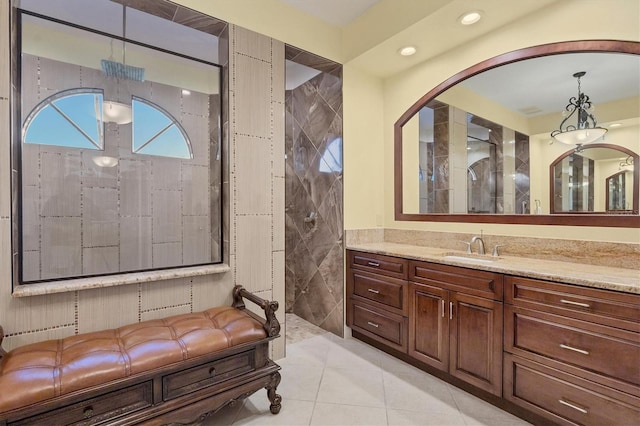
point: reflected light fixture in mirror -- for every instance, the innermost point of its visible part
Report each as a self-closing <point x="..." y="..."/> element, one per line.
<point x="406" y="207"/>
<point x="117" y="112"/>
<point x="586" y="129"/>
<point x="627" y="164"/>
<point x="104" y="161"/>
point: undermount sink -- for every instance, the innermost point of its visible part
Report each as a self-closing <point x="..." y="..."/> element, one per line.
<point x="477" y="260"/>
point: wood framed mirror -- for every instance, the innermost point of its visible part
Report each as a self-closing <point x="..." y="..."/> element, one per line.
<point x="590" y="181"/>
<point x="417" y="184"/>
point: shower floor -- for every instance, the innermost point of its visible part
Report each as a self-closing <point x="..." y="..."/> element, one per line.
<point x="298" y="329"/>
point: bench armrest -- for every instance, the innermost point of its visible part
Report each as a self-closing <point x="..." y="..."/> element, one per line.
<point x="271" y="325"/>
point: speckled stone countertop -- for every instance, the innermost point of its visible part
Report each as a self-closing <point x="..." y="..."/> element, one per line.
<point x="618" y="279"/>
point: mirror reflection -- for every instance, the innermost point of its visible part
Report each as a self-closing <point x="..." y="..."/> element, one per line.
<point x="484" y="145"/>
<point x="592" y="180"/>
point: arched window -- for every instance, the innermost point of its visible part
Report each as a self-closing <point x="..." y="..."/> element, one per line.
<point x="71" y="118"/>
<point x="156" y="132"/>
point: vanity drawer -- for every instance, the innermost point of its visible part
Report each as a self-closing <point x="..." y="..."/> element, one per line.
<point x="201" y="376"/>
<point x="470" y="281"/>
<point x="97" y="410"/>
<point x="619" y="310"/>
<point x="566" y="398"/>
<point x="384" y="326"/>
<point x="385" y="265"/>
<point x="388" y="291"/>
<point x="604" y="350"/>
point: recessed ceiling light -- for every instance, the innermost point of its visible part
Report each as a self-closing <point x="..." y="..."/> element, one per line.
<point x="407" y="51"/>
<point x="470" y="17"/>
<point x="615" y="124"/>
<point x="186" y="92"/>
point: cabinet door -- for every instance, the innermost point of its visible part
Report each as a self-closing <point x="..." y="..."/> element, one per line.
<point x="476" y="341"/>
<point x="429" y="325"/>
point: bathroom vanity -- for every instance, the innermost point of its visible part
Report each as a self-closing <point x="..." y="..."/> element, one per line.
<point x="526" y="335"/>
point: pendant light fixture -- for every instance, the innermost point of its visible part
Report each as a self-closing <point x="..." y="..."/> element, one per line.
<point x="586" y="129"/>
<point x="120" y="73"/>
<point x="627" y="164"/>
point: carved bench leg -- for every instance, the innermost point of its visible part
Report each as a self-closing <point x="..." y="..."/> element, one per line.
<point x="274" y="398"/>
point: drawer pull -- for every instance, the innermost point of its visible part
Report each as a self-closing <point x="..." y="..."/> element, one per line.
<point x="570" y="302"/>
<point x="450" y="310"/>
<point x="442" y="308"/>
<point x="373" y="291"/>
<point x="571" y="348"/>
<point x="88" y="412"/>
<point x="374" y="264"/>
<point x="373" y="324"/>
<point x="575" y="407"/>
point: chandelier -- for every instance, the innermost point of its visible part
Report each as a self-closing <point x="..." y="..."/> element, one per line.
<point x="586" y="129"/>
<point x="627" y="164"/>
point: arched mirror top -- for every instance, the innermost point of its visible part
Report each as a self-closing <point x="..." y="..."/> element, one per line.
<point x="517" y="210"/>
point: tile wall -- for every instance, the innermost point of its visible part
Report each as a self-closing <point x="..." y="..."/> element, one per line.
<point x="313" y="198"/>
<point x="145" y="212"/>
<point x="253" y="212"/>
<point x="256" y="166"/>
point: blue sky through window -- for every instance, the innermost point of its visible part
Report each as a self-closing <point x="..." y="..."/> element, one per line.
<point x="156" y="132"/>
<point x="71" y="118"/>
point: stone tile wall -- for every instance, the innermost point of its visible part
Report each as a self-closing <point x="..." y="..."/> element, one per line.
<point x="253" y="222"/>
<point x="145" y="212"/>
<point x="313" y="197"/>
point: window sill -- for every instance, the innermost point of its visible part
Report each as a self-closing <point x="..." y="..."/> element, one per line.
<point x="116" y="280"/>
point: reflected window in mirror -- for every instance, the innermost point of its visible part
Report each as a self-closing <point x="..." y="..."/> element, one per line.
<point x="117" y="139"/>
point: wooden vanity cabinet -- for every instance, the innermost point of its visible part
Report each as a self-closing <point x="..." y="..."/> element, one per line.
<point x="572" y="354"/>
<point x="558" y="352"/>
<point x="455" y="322"/>
<point x="377" y="292"/>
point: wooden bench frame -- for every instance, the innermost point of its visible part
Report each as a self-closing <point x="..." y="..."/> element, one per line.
<point x="191" y="407"/>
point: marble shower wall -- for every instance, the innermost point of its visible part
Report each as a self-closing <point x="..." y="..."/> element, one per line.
<point x="313" y="195"/>
<point x="522" y="175"/>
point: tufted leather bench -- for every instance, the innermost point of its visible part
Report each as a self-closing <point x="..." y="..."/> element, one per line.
<point x="179" y="369"/>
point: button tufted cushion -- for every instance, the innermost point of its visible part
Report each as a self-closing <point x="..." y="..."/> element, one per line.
<point x="40" y="371"/>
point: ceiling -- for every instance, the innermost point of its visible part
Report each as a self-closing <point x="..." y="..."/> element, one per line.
<point x="554" y="74"/>
<point x="334" y="12"/>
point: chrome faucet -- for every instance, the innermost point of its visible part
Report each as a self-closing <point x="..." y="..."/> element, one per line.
<point x="480" y="243"/>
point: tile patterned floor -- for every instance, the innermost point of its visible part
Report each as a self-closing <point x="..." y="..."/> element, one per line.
<point x="327" y="380"/>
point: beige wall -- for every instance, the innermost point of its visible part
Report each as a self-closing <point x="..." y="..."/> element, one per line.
<point x="599" y="19"/>
<point x="363" y="149"/>
<point x="256" y="228"/>
<point x="276" y="20"/>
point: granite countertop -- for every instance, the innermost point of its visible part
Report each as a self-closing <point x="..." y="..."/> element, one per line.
<point x="618" y="279"/>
